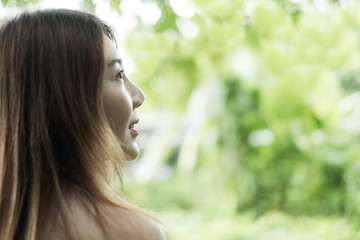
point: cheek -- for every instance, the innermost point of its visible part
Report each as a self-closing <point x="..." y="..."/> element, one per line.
<point x="118" y="109"/>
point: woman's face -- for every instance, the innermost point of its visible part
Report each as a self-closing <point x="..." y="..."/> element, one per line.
<point x="121" y="98"/>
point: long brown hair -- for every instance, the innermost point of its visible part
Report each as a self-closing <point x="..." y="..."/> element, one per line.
<point x="54" y="135"/>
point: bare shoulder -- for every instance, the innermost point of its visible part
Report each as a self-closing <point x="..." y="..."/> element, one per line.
<point x="128" y="224"/>
<point x="117" y="223"/>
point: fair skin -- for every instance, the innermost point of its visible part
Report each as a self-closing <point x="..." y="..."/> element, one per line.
<point x="121" y="98"/>
<point x="121" y="224"/>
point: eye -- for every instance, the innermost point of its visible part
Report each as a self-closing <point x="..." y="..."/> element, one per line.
<point x="120" y="75"/>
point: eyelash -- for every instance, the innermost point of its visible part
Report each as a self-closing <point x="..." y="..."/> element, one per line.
<point x="120" y="75"/>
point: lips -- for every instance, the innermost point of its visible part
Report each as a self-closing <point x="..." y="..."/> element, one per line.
<point x="132" y="128"/>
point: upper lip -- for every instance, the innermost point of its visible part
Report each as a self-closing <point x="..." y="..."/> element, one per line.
<point x="135" y="121"/>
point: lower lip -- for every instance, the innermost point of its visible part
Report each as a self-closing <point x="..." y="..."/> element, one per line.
<point x="134" y="132"/>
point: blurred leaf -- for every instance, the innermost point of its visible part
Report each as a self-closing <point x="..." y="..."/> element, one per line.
<point x="18" y="3"/>
<point x="167" y="19"/>
<point x="88" y="5"/>
<point x="115" y="5"/>
<point x="4" y="2"/>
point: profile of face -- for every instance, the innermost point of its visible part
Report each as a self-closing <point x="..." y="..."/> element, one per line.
<point x="121" y="98"/>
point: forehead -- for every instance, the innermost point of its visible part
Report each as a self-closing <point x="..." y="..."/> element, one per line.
<point x="110" y="50"/>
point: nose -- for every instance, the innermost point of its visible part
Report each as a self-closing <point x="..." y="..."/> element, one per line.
<point x="138" y="96"/>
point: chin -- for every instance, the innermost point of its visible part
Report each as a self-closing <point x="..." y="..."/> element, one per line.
<point x="131" y="153"/>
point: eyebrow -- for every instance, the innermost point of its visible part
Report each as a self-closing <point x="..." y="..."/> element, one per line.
<point x="114" y="61"/>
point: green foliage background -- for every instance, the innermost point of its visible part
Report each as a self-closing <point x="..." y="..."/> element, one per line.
<point x="275" y="137"/>
<point x="270" y="87"/>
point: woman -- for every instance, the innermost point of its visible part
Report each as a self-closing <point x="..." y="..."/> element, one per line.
<point x="67" y="117"/>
